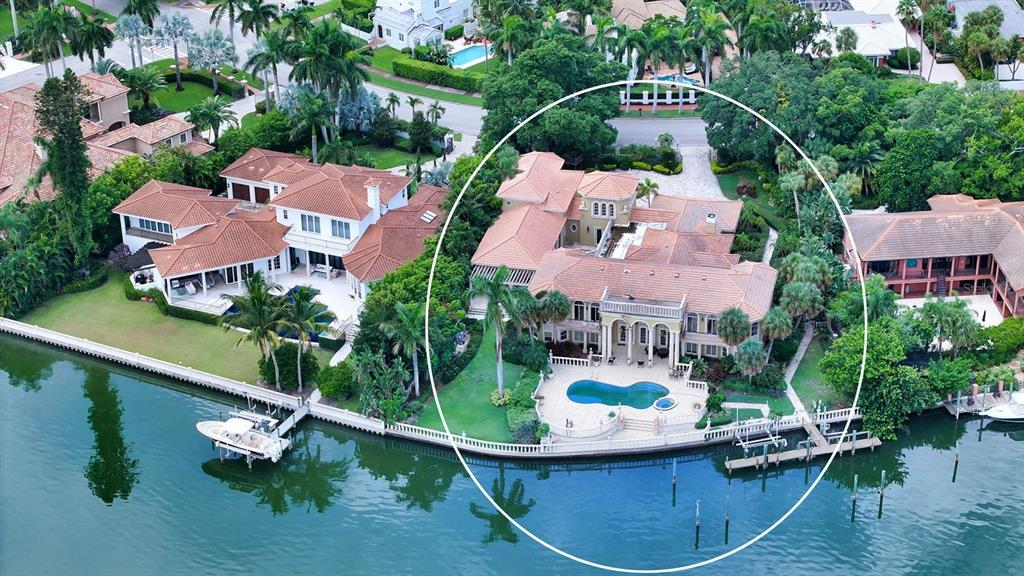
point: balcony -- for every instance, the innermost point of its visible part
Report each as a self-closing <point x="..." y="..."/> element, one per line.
<point x="150" y="235"/>
<point x="640" y="308"/>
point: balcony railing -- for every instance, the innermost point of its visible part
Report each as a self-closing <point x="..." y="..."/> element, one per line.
<point x="642" y="309"/>
<point x="143" y="233"/>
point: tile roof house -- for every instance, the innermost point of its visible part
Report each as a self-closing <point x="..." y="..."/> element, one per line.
<point x="962" y="244"/>
<point x="655" y="275"/>
<point x="348" y="225"/>
<point x="107" y="129"/>
<point x="633" y="13"/>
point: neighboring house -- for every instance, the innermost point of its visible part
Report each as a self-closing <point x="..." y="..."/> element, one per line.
<point x="168" y="131"/>
<point x="396" y="238"/>
<point x="409" y="23"/>
<point x="109" y="135"/>
<point x="633" y="13"/>
<point x="879" y="35"/>
<point x="962" y="244"/>
<point x="651" y="276"/>
<point x="312" y="224"/>
<point x="1013" y="14"/>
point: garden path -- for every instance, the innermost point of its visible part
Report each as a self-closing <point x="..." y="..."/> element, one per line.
<point x="805" y="342"/>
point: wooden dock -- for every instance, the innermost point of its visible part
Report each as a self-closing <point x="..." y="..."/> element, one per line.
<point x="974" y="404"/>
<point x="816" y="445"/>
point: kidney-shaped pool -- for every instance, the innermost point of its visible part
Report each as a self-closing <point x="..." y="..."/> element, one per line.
<point x="639" y="395"/>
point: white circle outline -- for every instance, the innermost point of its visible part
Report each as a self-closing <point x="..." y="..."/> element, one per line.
<point x="430" y="369"/>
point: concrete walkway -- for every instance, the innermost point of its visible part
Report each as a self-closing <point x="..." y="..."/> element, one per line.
<point x="769" y="245"/>
<point x="696" y="180"/>
<point x="805" y="342"/>
<point x="940" y="73"/>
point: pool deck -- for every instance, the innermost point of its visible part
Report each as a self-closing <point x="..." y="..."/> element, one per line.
<point x="555" y="407"/>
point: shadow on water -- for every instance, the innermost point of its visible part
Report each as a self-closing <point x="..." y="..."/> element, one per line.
<point x="26" y="365"/>
<point x="511" y="499"/>
<point x="111" y="471"/>
<point x="302" y="478"/>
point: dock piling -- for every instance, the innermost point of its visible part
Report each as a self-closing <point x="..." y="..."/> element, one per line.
<point x="956" y="461"/>
<point x="856" y="477"/>
<point x="726" y="520"/>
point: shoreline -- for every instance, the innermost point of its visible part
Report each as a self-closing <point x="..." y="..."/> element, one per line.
<point x="590" y="449"/>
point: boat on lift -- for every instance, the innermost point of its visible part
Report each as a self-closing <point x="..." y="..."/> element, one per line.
<point x="1012" y="411"/>
<point x="242" y="436"/>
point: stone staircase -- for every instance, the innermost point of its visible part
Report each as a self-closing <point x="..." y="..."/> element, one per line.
<point x="638" y="425"/>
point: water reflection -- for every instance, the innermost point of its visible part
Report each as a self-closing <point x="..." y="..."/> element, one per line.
<point x="111" y="471"/>
<point x="419" y="479"/>
<point x="513" y="502"/>
<point x="302" y="478"/>
<point x="26" y="366"/>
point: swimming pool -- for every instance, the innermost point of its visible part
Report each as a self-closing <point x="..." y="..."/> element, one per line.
<point x="467" y="55"/>
<point x="677" y="78"/>
<point x="638" y="395"/>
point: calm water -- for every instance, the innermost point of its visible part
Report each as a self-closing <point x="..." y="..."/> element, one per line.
<point x="638" y="395"/>
<point x="102" y="472"/>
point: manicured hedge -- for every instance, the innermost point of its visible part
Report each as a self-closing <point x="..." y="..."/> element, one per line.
<point x="228" y="87"/>
<point x="430" y="73"/>
<point x="94" y="280"/>
<point x="454" y="33"/>
<point x="133" y="293"/>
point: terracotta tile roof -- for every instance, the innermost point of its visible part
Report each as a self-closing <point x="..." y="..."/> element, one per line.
<point x="198" y="146"/>
<point x="608" y="186"/>
<point x="181" y="206"/>
<point x="665" y="247"/>
<point x="333" y="190"/>
<point x="152" y="133"/>
<point x="537" y="175"/>
<point x="236" y="238"/>
<point x="957" y="225"/>
<point x="19" y="158"/>
<point x="398" y="236"/>
<point x="103" y="86"/>
<point x="257" y="163"/>
<point x="690" y="215"/>
<point x="748" y="286"/>
<point x="519" y="238"/>
<point x="633" y="13"/>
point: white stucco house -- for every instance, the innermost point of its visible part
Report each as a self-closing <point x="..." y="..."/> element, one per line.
<point x="409" y="23"/>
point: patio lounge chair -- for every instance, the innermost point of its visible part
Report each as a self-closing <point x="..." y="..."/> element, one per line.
<point x="611" y="360"/>
<point x="190" y="288"/>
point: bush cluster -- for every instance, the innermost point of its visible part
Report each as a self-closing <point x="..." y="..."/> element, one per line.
<point x="522" y="413"/>
<point x="337" y="381"/>
<point x="719" y="168"/>
<point x="653" y="156"/>
<point x="447" y="372"/>
<point x="94" y="279"/>
<point x="286" y="354"/>
<point x="228" y="87"/>
<point x="454" y="33"/>
<point x="524" y="350"/>
<point x="899" y="59"/>
<point x="437" y="74"/>
<point x="134" y="294"/>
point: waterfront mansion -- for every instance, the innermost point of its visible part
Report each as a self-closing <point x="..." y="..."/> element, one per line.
<point x="646" y="277"/>
<point x="338" y="228"/>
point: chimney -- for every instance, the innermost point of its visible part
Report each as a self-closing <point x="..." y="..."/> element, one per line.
<point x="709" y="223"/>
<point x="373" y="195"/>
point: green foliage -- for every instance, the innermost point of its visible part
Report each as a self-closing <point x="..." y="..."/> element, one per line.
<point x="454" y="33"/>
<point x="338" y="381"/>
<point x="841" y="365"/>
<point x="91" y="281"/>
<point x="770" y="378"/>
<point x="382" y="129"/>
<point x="947" y="377"/>
<point x="903" y="176"/>
<point x="1005" y="337"/>
<point x="286" y="355"/>
<point x="525" y="350"/>
<point x="107" y="191"/>
<point x="437" y="74"/>
<point x="499" y="400"/>
<point x="899" y="59"/>
<point x="272" y="131"/>
<point x="847" y="307"/>
<point x="714" y="403"/>
<point x="521" y="412"/>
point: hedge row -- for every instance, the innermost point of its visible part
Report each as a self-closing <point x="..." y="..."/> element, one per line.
<point x="454" y="33"/>
<point x="94" y="280"/>
<point x="407" y="67"/>
<point x="447" y="372"/>
<point x="229" y="87"/>
<point x="133" y="293"/>
<point x="521" y="413"/>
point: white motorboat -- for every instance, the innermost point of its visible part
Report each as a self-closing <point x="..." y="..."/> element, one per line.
<point x="241" y="436"/>
<point x="1012" y="411"/>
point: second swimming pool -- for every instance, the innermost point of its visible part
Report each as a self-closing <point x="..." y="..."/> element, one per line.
<point x="638" y="395"/>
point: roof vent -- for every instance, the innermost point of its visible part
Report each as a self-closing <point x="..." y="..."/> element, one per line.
<point x="676" y="274"/>
<point x="651" y="273"/>
<point x="626" y="271"/>
<point x="709" y="223"/>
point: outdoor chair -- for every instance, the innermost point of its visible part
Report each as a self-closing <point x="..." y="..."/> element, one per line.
<point x="611" y="360"/>
<point x="190" y="288"/>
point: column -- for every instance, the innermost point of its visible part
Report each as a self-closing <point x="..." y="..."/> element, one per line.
<point x="252" y="194"/>
<point x="650" y="344"/>
<point x="239" y="269"/>
<point x="204" y="283"/>
<point x="629" y="343"/>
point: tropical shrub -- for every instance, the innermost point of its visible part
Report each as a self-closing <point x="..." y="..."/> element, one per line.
<point x="286" y="354"/>
<point x="337" y="381"/>
<point x="525" y="350"/>
<point x="639" y="165"/>
<point x="714" y="403"/>
<point x="770" y="379"/>
<point x="437" y="74"/>
<point x="899" y="59"/>
<point x="499" y="400"/>
<point x="89" y="281"/>
<point x="454" y="33"/>
<point x="522" y="413"/>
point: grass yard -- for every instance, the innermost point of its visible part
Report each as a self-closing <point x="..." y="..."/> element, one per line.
<point x="383" y="57"/>
<point x="729" y="416"/>
<point x="173" y="101"/>
<point x="7" y="25"/>
<point x="249" y="120"/>
<point x="86" y="8"/>
<point x="808" y="382"/>
<point x="467" y="399"/>
<point x="492" y="64"/>
<point x="390" y="157"/>
<point x="433" y="94"/>
<point x="779" y="404"/>
<point x="730" y="181"/>
<point x="104" y="315"/>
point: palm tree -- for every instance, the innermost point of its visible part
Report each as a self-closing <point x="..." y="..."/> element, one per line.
<point x="846" y="40"/>
<point x="709" y="27"/>
<point x="1000" y="49"/>
<point x="211" y="51"/>
<point x="147" y="10"/>
<point x="105" y="66"/>
<point x="89" y="38"/>
<point x="406" y="331"/>
<point x="257" y="16"/>
<point x="305" y="315"/>
<point x="413" y="102"/>
<point x="261" y="312"/>
<point x="436" y="111"/>
<point x="647" y="188"/>
<point x="978" y="44"/>
<point x="297" y="21"/>
<point x="632" y="43"/>
<point x="733" y="326"/>
<point x="172" y="29"/>
<point x="45" y="31"/>
<point x="311" y="111"/>
<point x="143" y="82"/>
<point x="511" y="36"/>
<point x="514" y="504"/>
<point x="499" y="302"/>
<point x="660" y="46"/>
<point x="259" y="62"/>
<point x="937" y="21"/>
<point x="601" y="39"/>
<point x="212" y="113"/>
<point x="764" y="31"/>
<point x="393" y="102"/>
<point x="14" y="17"/>
<point x="271" y="49"/>
<point x="131" y="29"/>
<point x="750" y="357"/>
<point x="906" y="11"/>
<point x="776" y="324"/>
<point x="801" y="300"/>
<point x="229" y="8"/>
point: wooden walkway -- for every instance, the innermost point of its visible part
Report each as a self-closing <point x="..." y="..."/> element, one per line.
<point x="816" y="445"/>
<point x="973" y="405"/>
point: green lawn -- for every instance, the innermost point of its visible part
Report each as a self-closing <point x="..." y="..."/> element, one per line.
<point x="249" y="120"/>
<point x="779" y="404"/>
<point x="173" y="101"/>
<point x="383" y="57"/>
<point x="390" y="157"/>
<point x="808" y="382"/>
<point x="433" y="94"/>
<point x="86" y="8"/>
<point x="729" y="416"/>
<point x="492" y="64"/>
<point x="104" y="315"/>
<point x="467" y="399"/>
<point x="6" y="25"/>
<point x="728" y="182"/>
<point x="166" y="66"/>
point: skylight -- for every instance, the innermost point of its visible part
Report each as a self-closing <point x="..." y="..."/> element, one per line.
<point x="428" y="216"/>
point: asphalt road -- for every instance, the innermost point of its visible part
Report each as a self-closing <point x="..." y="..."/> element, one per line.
<point x="687" y="131"/>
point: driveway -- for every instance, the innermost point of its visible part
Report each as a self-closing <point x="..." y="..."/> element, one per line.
<point x="696" y="180"/>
